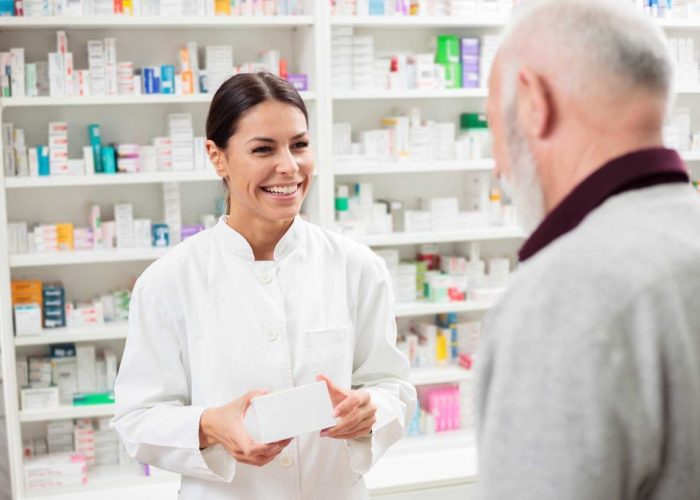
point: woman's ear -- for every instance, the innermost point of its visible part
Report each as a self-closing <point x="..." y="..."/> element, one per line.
<point x="217" y="158"/>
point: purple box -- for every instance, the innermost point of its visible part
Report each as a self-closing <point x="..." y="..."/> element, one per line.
<point x="188" y="230"/>
<point x="299" y="81"/>
<point x="471" y="61"/>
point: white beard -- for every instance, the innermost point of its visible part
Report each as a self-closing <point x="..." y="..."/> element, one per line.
<point x="524" y="187"/>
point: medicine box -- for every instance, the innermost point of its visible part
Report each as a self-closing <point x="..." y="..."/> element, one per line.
<point x="290" y="413"/>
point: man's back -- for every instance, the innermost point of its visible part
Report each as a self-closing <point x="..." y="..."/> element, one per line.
<point x="590" y="381"/>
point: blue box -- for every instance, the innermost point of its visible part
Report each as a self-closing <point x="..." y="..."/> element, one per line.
<point x="62" y="350"/>
<point x="167" y="76"/>
<point x="44" y="164"/>
<point x="109" y="162"/>
<point x="161" y="235"/>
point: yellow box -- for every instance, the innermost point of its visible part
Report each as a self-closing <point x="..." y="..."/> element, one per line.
<point x="65" y="236"/>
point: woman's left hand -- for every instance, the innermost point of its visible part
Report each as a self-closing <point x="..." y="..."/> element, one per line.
<point x="354" y="409"/>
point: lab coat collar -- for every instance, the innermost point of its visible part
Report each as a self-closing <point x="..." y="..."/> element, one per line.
<point x="236" y="243"/>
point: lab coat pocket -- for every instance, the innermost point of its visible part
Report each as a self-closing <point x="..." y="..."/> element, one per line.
<point x="330" y="353"/>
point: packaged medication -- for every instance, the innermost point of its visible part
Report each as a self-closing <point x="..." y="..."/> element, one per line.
<point x="39" y="398"/>
<point x="290" y="413"/>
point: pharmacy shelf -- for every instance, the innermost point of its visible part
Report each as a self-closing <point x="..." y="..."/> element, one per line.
<point x="111" y="482"/>
<point x="67" y="412"/>
<point x="439" y="375"/>
<point x="361" y="95"/>
<point x="680" y="24"/>
<point x="157" y="22"/>
<point x="51" y="181"/>
<point x="690" y="155"/>
<point x="107" y="331"/>
<point x="417" y="463"/>
<point x="496" y="233"/>
<point x="408" y="309"/>
<point x="359" y="167"/>
<point x="114" y="100"/>
<point x="85" y="257"/>
<point x="412" y="22"/>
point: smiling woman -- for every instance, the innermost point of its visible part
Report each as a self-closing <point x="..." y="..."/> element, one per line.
<point x="258" y="141"/>
<point x="263" y="301"/>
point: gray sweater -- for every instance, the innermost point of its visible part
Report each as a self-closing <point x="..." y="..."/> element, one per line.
<point x="589" y="372"/>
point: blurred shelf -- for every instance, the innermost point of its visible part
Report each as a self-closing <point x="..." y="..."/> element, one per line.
<point x="108" y="179"/>
<point x="406" y="309"/>
<point x="158" y="22"/>
<point x="684" y="24"/>
<point x="690" y="155"/>
<point x="107" y="331"/>
<point x="412" y="22"/>
<point x="114" y="100"/>
<point x="498" y="233"/>
<point x="439" y="375"/>
<point x="441" y="459"/>
<point x="66" y="412"/>
<point x="85" y="257"/>
<point x="111" y="482"/>
<point x="359" y="167"/>
<point x="355" y="95"/>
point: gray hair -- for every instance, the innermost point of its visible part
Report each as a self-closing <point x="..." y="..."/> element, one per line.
<point x="609" y="46"/>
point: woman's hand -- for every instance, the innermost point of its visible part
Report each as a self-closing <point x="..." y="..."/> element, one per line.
<point x="224" y="425"/>
<point x="354" y="409"/>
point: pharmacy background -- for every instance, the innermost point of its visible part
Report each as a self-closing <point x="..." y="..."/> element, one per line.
<point x="104" y="170"/>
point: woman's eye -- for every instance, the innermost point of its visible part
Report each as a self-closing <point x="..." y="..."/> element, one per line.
<point x="262" y="149"/>
<point x="301" y="145"/>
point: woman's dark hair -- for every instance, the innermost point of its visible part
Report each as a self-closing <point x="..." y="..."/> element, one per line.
<point x="239" y="94"/>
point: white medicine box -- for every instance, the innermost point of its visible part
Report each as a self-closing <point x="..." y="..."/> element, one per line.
<point x="290" y="413"/>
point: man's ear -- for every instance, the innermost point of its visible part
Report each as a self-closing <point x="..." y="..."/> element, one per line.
<point x="217" y="158"/>
<point x="536" y="111"/>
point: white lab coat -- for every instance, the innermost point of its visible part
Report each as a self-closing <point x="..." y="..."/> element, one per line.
<point x="208" y="323"/>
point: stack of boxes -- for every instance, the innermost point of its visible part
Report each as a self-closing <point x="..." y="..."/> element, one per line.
<point x="64" y="372"/>
<point x="106" y="444"/>
<point x="172" y="215"/>
<point x="444" y="213"/>
<point x="471" y="77"/>
<point x="53" y="471"/>
<point x="58" y="148"/>
<point x="54" y="305"/>
<point x="363" y="62"/>
<point x="60" y="436"/>
<point x="342" y="49"/>
<point x="448" y="56"/>
<point x="26" y="301"/>
<point x="97" y="67"/>
<point x="84" y="439"/>
<point x="182" y="141"/>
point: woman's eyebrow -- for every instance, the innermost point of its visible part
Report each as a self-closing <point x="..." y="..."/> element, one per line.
<point x="262" y="139"/>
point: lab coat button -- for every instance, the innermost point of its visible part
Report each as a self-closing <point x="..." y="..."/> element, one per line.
<point x="271" y="334"/>
<point x="266" y="277"/>
<point x="285" y="460"/>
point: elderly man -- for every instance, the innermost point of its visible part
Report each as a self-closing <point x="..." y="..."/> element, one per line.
<point x="589" y="375"/>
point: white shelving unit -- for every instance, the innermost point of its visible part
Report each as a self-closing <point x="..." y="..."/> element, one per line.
<point x="148" y="22"/>
<point x="408" y="309"/>
<point x="108" y="331"/>
<point x="415" y="463"/>
<point x="67" y="412"/>
<point x="117" y="100"/>
<point x="398" y="239"/>
<point x="85" y="257"/>
<point x="357" y="167"/>
<point x="439" y="375"/>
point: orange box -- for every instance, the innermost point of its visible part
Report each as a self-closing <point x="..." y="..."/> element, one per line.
<point x="26" y="292"/>
<point x="64" y="236"/>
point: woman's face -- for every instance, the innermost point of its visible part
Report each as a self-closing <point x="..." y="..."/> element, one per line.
<point x="268" y="162"/>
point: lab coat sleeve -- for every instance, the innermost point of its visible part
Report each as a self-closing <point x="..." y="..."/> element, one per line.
<point x="154" y="417"/>
<point x="379" y="368"/>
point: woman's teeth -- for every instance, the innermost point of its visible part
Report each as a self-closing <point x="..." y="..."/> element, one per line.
<point x="282" y="189"/>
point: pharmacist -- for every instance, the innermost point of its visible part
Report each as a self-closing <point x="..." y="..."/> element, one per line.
<point x="263" y="301"/>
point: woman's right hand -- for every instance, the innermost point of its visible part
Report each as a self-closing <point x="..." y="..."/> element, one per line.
<point x="224" y="425"/>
